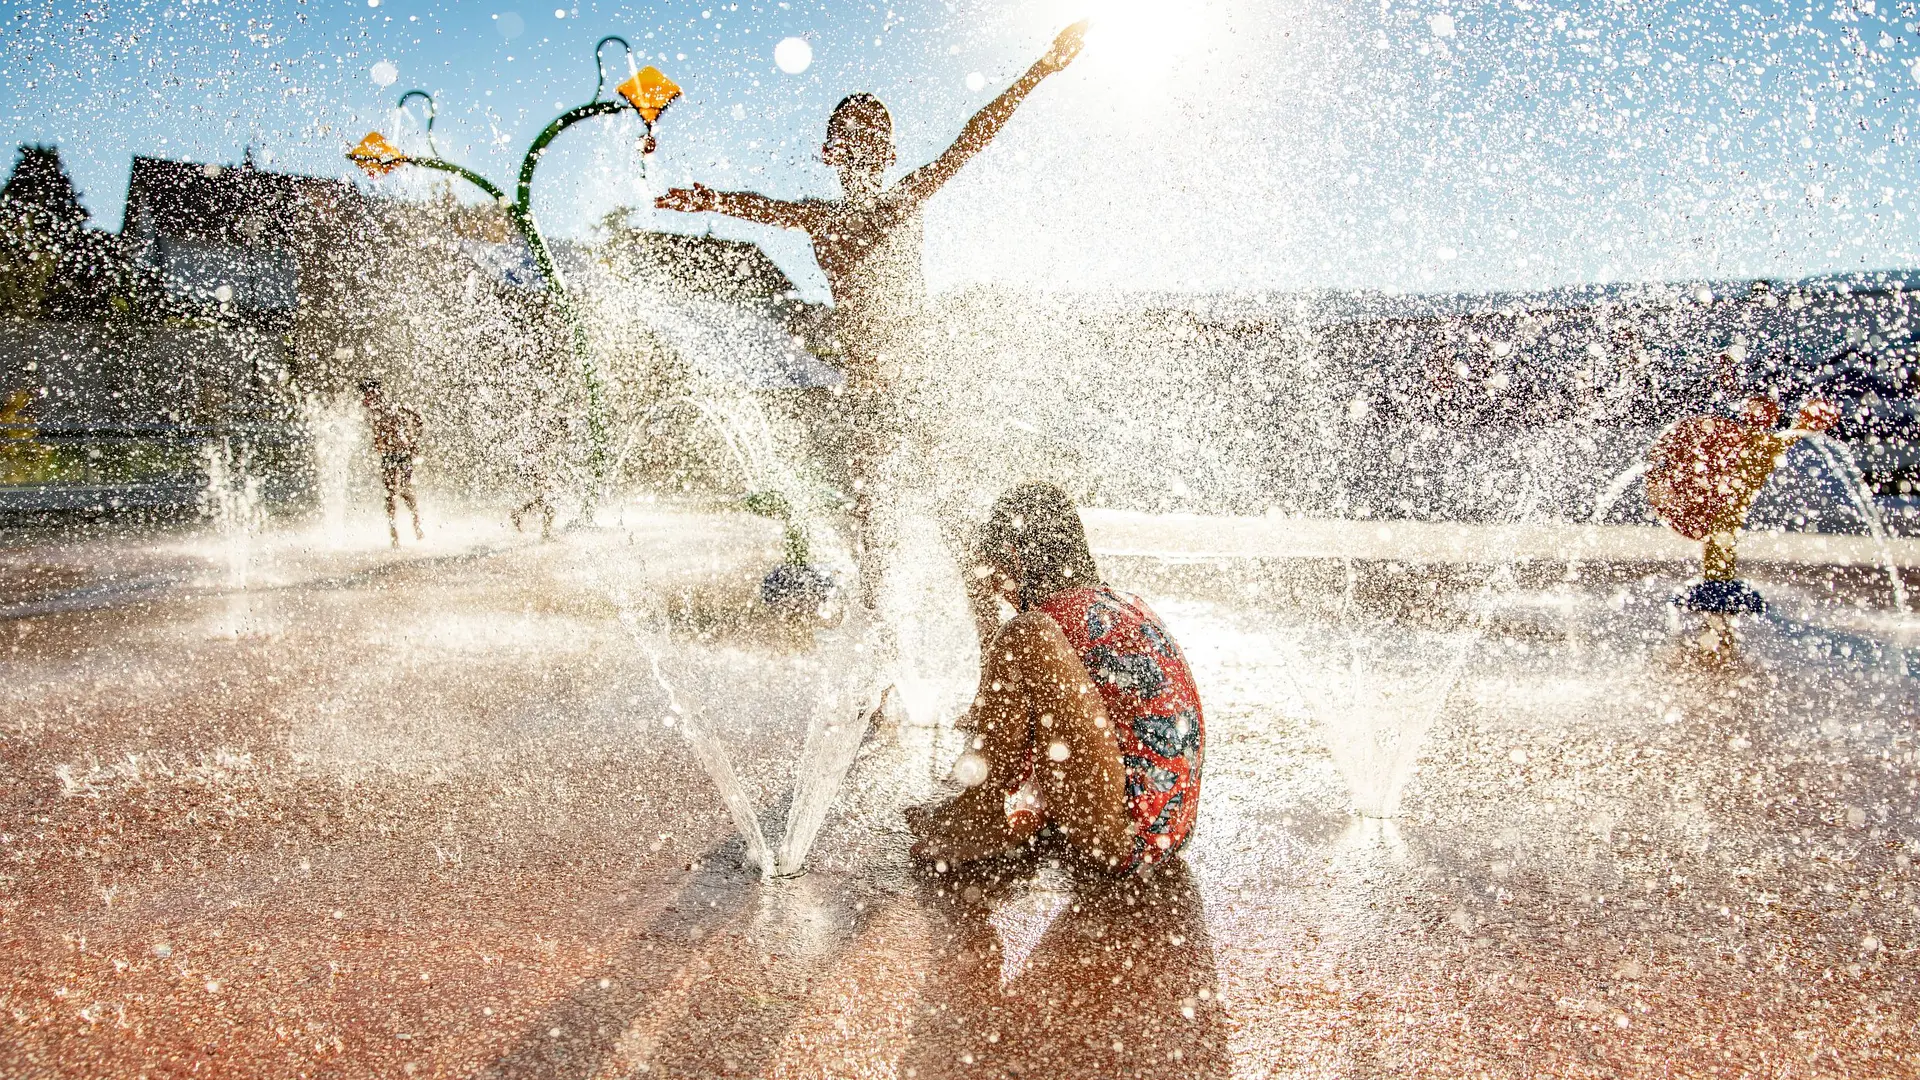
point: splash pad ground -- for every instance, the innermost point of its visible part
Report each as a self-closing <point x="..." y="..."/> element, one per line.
<point x="422" y="818"/>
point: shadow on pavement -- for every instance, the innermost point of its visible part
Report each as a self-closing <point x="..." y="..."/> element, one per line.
<point x="1120" y="981"/>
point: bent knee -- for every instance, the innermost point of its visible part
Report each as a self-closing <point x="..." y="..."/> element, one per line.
<point x="1105" y="844"/>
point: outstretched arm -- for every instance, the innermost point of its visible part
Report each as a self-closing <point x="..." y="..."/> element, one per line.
<point x="745" y="205"/>
<point x="924" y="181"/>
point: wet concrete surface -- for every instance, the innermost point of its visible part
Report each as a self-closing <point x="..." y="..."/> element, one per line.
<point x="421" y="815"/>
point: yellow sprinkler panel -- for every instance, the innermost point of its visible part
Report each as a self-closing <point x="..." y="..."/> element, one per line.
<point x="648" y="92"/>
<point x="376" y="155"/>
<point x="14" y="423"/>
<point x="23" y="459"/>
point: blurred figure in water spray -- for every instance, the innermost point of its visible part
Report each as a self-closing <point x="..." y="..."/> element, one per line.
<point x="537" y="451"/>
<point x="1086" y="719"/>
<point x="868" y="245"/>
<point x="397" y="431"/>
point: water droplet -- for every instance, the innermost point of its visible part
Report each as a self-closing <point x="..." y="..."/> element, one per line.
<point x="971" y="770"/>
<point x="793" y="55"/>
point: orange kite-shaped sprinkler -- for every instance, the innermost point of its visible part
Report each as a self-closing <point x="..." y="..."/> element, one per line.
<point x="1703" y="475"/>
<point x="376" y="155"/>
<point x="648" y="91"/>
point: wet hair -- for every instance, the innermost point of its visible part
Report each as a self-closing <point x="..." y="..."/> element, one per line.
<point x="857" y="116"/>
<point x="1039" y="524"/>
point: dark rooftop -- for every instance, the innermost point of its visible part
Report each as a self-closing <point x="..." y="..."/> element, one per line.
<point x="241" y="206"/>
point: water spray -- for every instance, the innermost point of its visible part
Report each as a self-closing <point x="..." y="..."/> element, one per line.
<point x="647" y="92"/>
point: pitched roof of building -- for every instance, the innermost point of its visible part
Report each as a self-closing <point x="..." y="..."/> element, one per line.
<point x="241" y="205"/>
<point x="724" y="269"/>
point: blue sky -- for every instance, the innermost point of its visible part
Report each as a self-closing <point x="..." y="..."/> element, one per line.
<point x="1207" y="145"/>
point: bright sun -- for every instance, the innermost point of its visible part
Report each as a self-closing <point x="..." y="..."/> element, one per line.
<point x="1142" y="36"/>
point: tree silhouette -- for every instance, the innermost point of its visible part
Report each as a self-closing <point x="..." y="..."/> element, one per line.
<point x="41" y="187"/>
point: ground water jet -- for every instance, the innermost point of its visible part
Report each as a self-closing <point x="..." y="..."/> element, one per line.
<point x="844" y="645"/>
<point x="838" y="721"/>
<point x="1376" y="712"/>
<point x="836" y="726"/>
<point x="923" y="607"/>
<point x="1376" y="694"/>
<point x="334" y="435"/>
<point x="706" y="747"/>
<point x="231" y="500"/>
<point x="1615" y="490"/>
<point x="1860" y="493"/>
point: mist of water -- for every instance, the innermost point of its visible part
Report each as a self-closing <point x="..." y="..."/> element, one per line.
<point x="336" y="438"/>
<point x="842" y="714"/>
<point x="711" y="753"/>
<point x="231" y="500"/>
<point x="1376" y="689"/>
<point x="1836" y="455"/>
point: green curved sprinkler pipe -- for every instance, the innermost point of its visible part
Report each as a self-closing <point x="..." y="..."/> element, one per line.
<point x="646" y="92"/>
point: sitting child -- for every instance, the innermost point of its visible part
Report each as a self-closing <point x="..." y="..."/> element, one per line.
<point x="1086" y="718"/>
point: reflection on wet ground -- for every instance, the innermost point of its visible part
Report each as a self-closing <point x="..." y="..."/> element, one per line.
<point x="432" y="822"/>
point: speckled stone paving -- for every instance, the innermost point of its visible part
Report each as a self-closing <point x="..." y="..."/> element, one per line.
<point x="419" y="815"/>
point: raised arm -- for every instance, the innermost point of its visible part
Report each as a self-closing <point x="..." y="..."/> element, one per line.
<point x="745" y="205"/>
<point x="920" y="184"/>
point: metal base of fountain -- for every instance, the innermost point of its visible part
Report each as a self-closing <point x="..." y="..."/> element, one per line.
<point x="1723" y="598"/>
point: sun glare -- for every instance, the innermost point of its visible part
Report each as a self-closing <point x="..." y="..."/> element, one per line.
<point x="1142" y="36"/>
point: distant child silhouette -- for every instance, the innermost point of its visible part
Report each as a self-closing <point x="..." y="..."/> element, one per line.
<point x="397" y="433"/>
